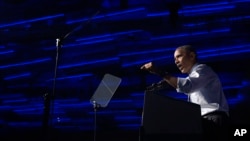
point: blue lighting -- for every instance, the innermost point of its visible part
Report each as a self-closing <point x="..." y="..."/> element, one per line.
<point x="113" y="111"/>
<point x="74" y="104"/>
<point x="88" y="42"/>
<point x="31" y="20"/>
<point x="239" y="18"/>
<point x="108" y="35"/>
<point x="127" y="117"/>
<point x="245" y="83"/>
<point x="30" y="110"/>
<point x="25" y="63"/>
<point x="170" y="36"/>
<point x="94" y="37"/>
<point x="97" y="41"/>
<point x="167" y="57"/>
<point x="194" y="33"/>
<point x="235" y="100"/>
<point x="17" y="76"/>
<point x="11" y="101"/>
<point x="127" y="32"/>
<point x="107" y="15"/>
<point x="221" y="20"/>
<point x="233" y="87"/>
<point x="236" y="1"/>
<point x="25" y="124"/>
<point x="145" y="61"/>
<point x="158" y="14"/>
<point x="88" y="63"/>
<point x="224" y="51"/>
<point x="147" y="52"/>
<point x="138" y="94"/>
<point x="6" y="52"/>
<point x="221" y="30"/>
<point x="125" y="12"/>
<point x="73" y="76"/>
<point x="202" y="54"/>
<point x="219" y="4"/>
<point x="198" y="9"/>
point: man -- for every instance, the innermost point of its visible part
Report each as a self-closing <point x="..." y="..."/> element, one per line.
<point x="203" y="87"/>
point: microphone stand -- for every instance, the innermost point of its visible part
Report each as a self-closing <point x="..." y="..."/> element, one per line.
<point x="49" y="99"/>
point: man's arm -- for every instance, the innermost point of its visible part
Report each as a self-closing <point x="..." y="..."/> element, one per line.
<point x="171" y="80"/>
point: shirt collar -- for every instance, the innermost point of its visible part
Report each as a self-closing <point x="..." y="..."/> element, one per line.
<point x="194" y="66"/>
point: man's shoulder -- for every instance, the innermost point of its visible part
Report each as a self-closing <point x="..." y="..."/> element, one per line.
<point x="200" y="65"/>
<point x="202" y="68"/>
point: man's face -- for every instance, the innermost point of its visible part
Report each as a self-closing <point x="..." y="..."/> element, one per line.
<point x="184" y="60"/>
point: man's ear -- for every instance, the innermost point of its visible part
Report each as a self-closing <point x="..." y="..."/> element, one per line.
<point x="192" y="55"/>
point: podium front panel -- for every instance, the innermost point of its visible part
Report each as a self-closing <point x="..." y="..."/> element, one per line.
<point x="164" y="115"/>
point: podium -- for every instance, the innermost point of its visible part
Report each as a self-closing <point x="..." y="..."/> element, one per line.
<point x="165" y="119"/>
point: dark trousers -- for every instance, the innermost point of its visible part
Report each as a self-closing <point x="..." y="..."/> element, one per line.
<point x="215" y="126"/>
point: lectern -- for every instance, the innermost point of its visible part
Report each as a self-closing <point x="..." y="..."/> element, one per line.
<point x="168" y="119"/>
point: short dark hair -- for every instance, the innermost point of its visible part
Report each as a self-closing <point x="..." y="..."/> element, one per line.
<point x="189" y="49"/>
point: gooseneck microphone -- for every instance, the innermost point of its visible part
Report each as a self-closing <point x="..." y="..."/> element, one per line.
<point x="163" y="84"/>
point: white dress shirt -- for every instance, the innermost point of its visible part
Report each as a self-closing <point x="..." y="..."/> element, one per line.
<point x="203" y="87"/>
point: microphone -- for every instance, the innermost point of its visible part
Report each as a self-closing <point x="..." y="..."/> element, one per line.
<point x="159" y="86"/>
<point x="58" y="42"/>
<point x="163" y="84"/>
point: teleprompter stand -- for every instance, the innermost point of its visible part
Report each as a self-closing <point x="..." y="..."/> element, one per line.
<point x="103" y="94"/>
